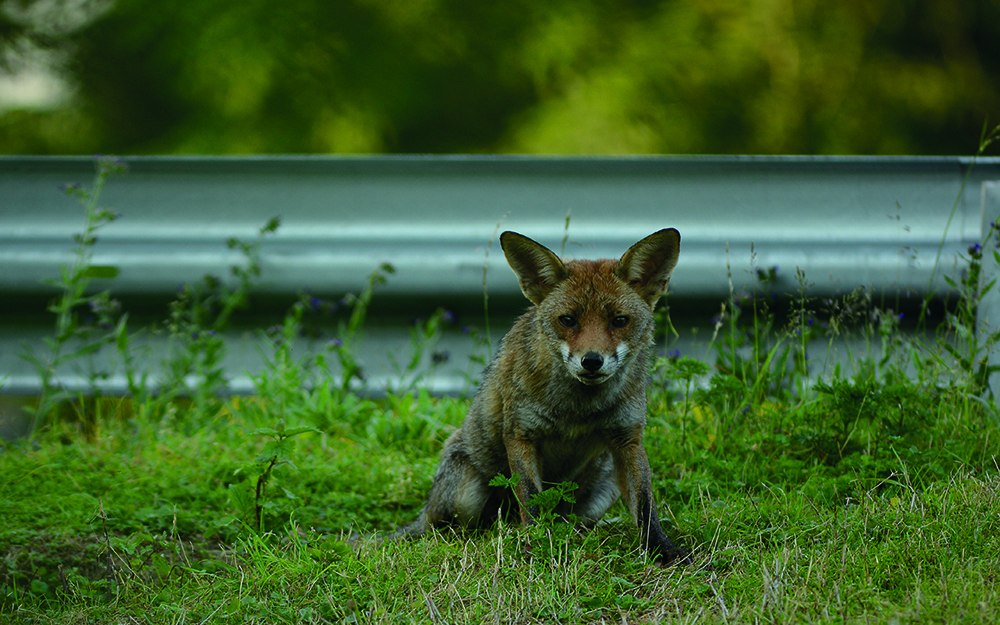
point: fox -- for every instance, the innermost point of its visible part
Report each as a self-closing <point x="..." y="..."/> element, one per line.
<point x="564" y="399"/>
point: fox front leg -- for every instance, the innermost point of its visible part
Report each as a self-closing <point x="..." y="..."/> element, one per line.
<point x="636" y="484"/>
<point x="523" y="457"/>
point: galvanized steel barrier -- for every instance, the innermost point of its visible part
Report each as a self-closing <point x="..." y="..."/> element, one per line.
<point x="894" y="225"/>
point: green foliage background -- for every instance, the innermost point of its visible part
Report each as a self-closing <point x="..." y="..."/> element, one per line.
<point x="538" y="76"/>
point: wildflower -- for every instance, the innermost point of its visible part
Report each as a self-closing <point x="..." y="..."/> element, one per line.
<point x="448" y="316"/>
<point x="673" y="355"/>
<point x="976" y="250"/>
<point x="335" y="343"/>
<point x="110" y="164"/>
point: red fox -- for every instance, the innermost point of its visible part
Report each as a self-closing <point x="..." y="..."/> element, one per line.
<point x="565" y="397"/>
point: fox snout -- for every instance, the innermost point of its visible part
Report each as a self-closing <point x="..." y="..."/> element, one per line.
<point x="592" y="366"/>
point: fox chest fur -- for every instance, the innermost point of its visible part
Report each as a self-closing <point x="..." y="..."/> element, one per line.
<point x="564" y="398"/>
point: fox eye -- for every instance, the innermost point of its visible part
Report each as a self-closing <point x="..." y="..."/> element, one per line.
<point x="619" y="322"/>
<point x="567" y="321"/>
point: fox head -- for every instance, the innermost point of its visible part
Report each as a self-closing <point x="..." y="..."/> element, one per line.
<point x="595" y="315"/>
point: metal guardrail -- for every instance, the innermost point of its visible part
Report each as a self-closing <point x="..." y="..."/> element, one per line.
<point x="876" y="222"/>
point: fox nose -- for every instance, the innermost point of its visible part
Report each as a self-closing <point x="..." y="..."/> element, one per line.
<point x="592" y="361"/>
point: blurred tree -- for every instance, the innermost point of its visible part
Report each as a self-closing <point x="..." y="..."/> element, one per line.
<point x="539" y="76"/>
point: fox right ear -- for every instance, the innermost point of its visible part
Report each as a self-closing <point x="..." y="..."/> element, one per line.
<point x="647" y="265"/>
<point x="537" y="268"/>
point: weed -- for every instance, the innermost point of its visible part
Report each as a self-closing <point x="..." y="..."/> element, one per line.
<point x="85" y="322"/>
<point x="970" y="355"/>
<point x="550" y="534"/>
<point x="300" y="389"/>
<point x="193" y="362"/>
<point x="423" y="358"/>
<point x="350" y="332"/>
<point x="277" y="452"/>
<point x="684" y="372"/>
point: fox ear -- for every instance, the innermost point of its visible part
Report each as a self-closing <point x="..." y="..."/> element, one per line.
<point x="538" y="270"/>
<point x="647" y="265"/>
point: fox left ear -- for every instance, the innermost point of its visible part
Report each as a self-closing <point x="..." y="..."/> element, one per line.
<point x="647" y="265"/>
<point x="537" y="268"/>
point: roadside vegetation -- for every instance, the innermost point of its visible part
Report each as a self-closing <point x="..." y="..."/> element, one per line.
<point x="866" y="493"/>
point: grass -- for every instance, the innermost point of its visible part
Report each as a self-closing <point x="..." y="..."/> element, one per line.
<point x="143" y="525"/>
<point x="868" y="495"/>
